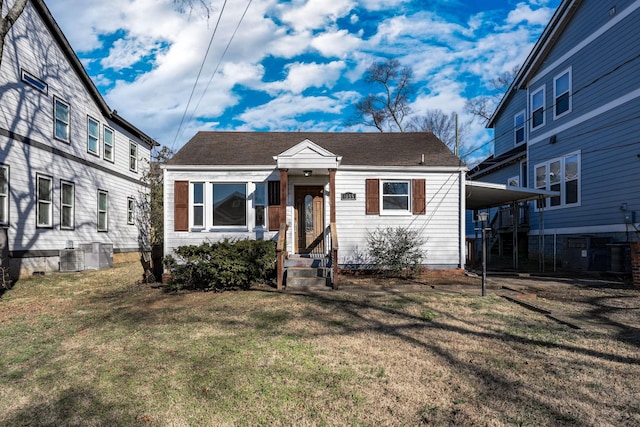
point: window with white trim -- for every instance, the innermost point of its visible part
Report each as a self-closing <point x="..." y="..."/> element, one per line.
<point x="4" y="194"/>
<point x="259" y="202"/>
<point x="197" y="204"/>
<point x="44" y="201"/>
<point x="537" y="108"/>
<point x="131" y="209"/>
<point x="229" y="204"/>
<point x="133" y="156"/>
<point x="103" y="210"/>
<point x="395" y="197"/>
<point x="93" y="135"/>
<point x="561" y="174"/>
<point x="518" y="127"/>
<point x="562" y="94"/>
<point x="108" y="139"/>
<point x="61" y="120"/>
<point x="67" y="205"/>
<point x="514" y="181"/>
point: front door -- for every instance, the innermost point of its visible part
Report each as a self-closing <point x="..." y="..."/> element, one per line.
<point x="310" y="219"/>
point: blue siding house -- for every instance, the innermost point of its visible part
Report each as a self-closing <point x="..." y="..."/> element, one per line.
<point x="570" y="122"/>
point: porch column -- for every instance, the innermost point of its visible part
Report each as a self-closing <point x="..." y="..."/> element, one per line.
<point x="284" y="173"/>
<point x="332" y="196"/>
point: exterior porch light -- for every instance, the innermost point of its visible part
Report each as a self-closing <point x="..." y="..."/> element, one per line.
<point x="307" y="173"/>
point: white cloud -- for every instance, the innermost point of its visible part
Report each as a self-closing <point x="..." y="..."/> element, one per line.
<point x="315" y="14"/>
<point x="382" y="4"/>
<point x="338" y="43"/>
<point x="303" y="76"/>
<point x="282" y="112"/>
<point x="524" y="14"/>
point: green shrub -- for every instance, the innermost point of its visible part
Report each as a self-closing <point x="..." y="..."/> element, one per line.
<point x="220" y="266"/>
<point x="396" y="251"/>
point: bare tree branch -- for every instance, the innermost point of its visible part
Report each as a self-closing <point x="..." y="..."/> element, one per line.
<point x="484" y="106"/>
<point x="441" y="125"/>
<point x="7" y="21"/>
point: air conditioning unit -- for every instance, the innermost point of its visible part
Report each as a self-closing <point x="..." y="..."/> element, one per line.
<point x="71" y="260"/>
<point x="97" y="255"/>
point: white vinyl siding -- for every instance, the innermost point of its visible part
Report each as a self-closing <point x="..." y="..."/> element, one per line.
<point x="61" y="120"/>
<point x="67" y="205"/>
<point x="562" y="94"/>
<point x="537" y="108"/>
<point x="44" y="201"/>
<point x="103" y="211"/>
<point x="93" y="135"/>
<point x="4" y="195"/>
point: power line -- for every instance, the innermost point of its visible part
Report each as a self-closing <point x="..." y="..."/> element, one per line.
<point x="195" y="84"/>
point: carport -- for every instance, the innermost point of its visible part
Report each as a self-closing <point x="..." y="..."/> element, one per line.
<point x="486" y="195"/>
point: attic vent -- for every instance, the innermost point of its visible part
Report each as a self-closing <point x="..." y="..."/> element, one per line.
<point x="34" y="82"/>
<point x="71" y="260"/>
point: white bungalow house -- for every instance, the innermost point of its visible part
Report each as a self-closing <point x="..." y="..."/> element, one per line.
<point x="70" y="167"/>
<point x="319" y="190"/>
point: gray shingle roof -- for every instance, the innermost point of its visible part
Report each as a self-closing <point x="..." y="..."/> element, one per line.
<point x="356" y="149"/>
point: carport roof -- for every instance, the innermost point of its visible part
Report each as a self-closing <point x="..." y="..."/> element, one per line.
<point x="484" y="195"/>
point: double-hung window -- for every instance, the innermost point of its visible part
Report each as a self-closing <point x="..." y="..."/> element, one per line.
<point x="103" y="210"/>
<point x="133" y="156"/>
<point x="259" y="204"/>
<point x="229" y="204"/>
<point x="4" y="195"/>
<point x="518" y="126"/>
<point x="562" y="94"/>
<point x="61" y="120"/>
<point x="44" y="201"/>
<point x="67" y="205"/>
<point x="562" y="175"/>
<point x="131" y="209"/>
<point x="537" y="108"/>
<point x="395" y="197"/>
<point x="93" y="135"/>
<point x="198" y="205"/>
<point x="108" y="139"/>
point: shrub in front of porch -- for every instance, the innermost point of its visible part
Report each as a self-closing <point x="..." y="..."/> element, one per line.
<point x="220" y="266"/>
<point x="396" y="251"/>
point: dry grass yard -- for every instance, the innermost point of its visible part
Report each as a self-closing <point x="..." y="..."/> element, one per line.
<point x="95" y="349"/>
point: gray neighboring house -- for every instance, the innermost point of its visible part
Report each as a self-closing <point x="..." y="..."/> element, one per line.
<point x="70" y="167"/>
<point x="248" y="184"/>
<point x="570" y="123"/>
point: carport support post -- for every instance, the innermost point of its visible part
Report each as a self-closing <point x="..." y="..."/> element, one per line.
<point x="483" y="216"/>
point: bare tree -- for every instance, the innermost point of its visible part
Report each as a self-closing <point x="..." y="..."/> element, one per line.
<point x="483" y="106"/>
<point x="187" y="6"/>
<point x="387" y="109"/>
<point x="444" y="126"/>
<point x="7" y="21"/>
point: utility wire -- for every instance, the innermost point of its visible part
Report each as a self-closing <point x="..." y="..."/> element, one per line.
<point x="220" y="61"/>
<point x="195" y="84"/>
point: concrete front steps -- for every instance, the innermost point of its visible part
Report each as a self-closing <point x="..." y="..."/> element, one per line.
<point x="303" y="271"/>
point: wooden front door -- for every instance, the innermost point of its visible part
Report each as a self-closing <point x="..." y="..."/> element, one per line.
<point x="310" y="219"/>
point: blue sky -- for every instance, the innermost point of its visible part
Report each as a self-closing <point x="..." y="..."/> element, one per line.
<point x="294" y="64"/>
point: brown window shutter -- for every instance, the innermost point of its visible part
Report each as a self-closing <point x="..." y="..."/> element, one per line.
<point x="419" y="200"/>
<point x="274" y="205"/>
<point x="373" y="197"/>
<point x="181" y="206"/>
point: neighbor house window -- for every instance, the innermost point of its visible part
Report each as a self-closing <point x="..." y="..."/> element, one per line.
<point x="518" y="126"/>
<point x="562" y="94"/>
<point x="395" y="197"/>
<point x="34" y="82"/>
<point x="229" y="204"/>
<point x="4" y="195"/>
<point x="44" y="201"/>
<point x="93" y="135"/>
<point x="67" y="205"/>
<point x="108" y="138"/>
<point x="103" y="210"/>
<point x="198" y="205"/>
<point x="259" y="204"/>
<point x="61" y="120"/>
<point x="537" y="108"/>
<point x="562" y="175"/>
<point x="133" y="156"/>
<point x="131" y="209"/>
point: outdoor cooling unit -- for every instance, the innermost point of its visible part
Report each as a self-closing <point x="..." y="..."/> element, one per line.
<point x="71" y="260"/>
<point x="97" y="255"/>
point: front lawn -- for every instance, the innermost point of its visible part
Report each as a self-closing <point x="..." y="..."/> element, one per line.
<point x="94" y="348"/>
